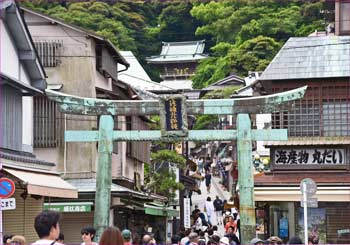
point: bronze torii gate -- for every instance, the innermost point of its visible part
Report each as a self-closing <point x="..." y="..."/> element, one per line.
<point x="167" y="107"/>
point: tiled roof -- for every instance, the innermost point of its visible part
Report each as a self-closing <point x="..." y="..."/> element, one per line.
<point x="180" y="51"/>
<point x="182" y="48"/>
<point x="311" y="57"/>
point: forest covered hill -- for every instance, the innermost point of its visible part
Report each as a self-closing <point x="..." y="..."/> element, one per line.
<point x="241" y="35"/>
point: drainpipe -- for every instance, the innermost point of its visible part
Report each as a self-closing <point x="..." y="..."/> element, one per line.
<point x="65" y="148"/>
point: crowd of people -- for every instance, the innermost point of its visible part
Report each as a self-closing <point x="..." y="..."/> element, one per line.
<point x="203" y="232"/>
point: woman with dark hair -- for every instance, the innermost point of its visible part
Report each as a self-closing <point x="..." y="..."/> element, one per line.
<point x="88" y="235"/>
<point x="111" y="236"/>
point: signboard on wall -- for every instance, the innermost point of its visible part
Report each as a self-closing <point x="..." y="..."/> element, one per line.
<point x="173" y="116"/>
<point x="187" y="213"/>
<point x="69" y="207"/>
<point x="309" y="156"/>
<point x="8" y="203"/>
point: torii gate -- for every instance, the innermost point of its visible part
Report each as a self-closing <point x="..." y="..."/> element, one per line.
<point x="244" y="136"/>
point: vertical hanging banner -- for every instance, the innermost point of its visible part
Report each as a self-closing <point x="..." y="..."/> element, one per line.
<point x="173" y="116"/>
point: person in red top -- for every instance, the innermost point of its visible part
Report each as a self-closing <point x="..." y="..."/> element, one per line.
<point x="231" y="222"/>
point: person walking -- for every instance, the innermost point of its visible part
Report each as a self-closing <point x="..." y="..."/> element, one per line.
<point x="111" y="236"/>
<point x="209" y="209"/>
<point x="208" y="181"/>
<point x="219" y="206"/>
<point x="47" y="227"/>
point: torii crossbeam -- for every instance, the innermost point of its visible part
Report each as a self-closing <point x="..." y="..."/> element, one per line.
<point x="244" y="136"/>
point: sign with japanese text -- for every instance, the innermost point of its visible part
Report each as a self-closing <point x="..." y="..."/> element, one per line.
<point x="187" y="213"/>
<point x="79" y="207"/>
<point x="313" y="156"/>
<point x="173" y="116"/>
<point x="8" y="203"/>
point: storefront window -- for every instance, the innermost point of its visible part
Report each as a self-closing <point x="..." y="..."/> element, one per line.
<point x="280" y="221"/>
<point x="316" y="218"/>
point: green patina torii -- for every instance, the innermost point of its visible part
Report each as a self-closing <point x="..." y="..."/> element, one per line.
<point x="244" y="136"/>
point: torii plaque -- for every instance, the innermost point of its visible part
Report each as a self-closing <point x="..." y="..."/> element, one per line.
<point x="244" y="136"/>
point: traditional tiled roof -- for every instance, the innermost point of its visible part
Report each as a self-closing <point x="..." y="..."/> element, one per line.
<point x="311" y="57"/>
<point x="179" y="51"/>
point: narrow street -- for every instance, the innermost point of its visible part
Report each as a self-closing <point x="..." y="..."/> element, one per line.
<point x="216" y="190"/>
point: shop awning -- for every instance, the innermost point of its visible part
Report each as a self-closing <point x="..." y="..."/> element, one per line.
<point x="159" y="210"/>
<point x="284" y="194"/>
<point x="44" y="184"/>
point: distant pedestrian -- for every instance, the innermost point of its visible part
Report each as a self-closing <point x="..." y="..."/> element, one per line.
<point x="208" y="180"/>
<point x="193" y="238"/>
<point x="295" y="240"/>
<point x="200" y="165"/>
<point x="256" y="241"/>
<point x="273" y="240"/>
<point x="214" y="240"/>
<point x="60" y="238"/>
<point x="175" y="240"/>
<point x="7" y="238"/>
<point x="224" y="241"/>
<point x="231" y="223"/>
<point x="219" y="206"/>
<point x="185" y="239"/>
<point x="209" y="208"/>
<point x="18" y="240"/>
<point x="88" y="235"/>
<point x="47" y="227"/>
<point x="148" y="240"/>
<point x="126" y="235"/>
<point x="111" y="236"/>
<point x="198" y="222"/>
<point x="231" y="235"/>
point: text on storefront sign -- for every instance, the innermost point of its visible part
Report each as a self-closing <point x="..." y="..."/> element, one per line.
<point x="327" y="156"/>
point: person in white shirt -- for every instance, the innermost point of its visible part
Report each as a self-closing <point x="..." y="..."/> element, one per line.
<point x="87" y="235"/>
<point x="209" y="209"/>
<point x="47" y="227"/>
<point x="185" y="239"/>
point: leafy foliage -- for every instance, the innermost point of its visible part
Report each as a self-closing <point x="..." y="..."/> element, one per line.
<point x="251" y="33"/>
<point x="160" y="178"/>
<point x="224" y="93"/>
<point x="241" y="35"/>
<point x="205" y="122"/>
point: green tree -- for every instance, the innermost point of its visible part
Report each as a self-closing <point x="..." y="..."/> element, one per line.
<point x="160" y="178"/>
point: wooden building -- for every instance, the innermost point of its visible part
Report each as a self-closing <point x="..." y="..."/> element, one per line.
<point x="177" y="62"/>
<point x="319" y="137"/>
<point x="22" y="77"/>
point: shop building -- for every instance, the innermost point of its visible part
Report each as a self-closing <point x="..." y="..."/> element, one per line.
<point x="318" y="145"/>
<point x="22" y="78"/>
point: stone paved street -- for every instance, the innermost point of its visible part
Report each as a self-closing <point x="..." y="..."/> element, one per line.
<point x="216" y="190"/>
